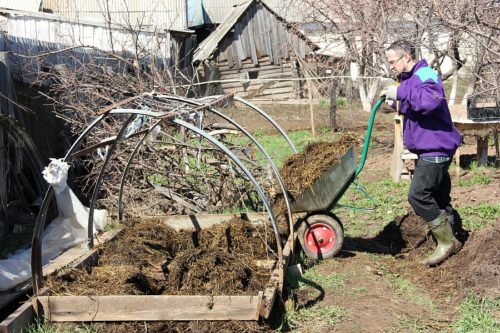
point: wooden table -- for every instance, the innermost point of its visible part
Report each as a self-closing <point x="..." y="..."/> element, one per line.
<point x="459" y="117"/>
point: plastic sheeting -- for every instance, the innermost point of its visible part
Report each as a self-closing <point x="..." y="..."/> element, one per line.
<point x="67" y="230"/>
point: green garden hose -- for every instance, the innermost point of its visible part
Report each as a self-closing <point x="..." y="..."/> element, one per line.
<point x="368" y="135"/>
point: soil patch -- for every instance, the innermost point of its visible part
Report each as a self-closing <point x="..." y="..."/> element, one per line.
<point x="405" y="236"/>
<point x="476" y="266"/>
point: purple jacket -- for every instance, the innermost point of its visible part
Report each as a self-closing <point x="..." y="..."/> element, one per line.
<point x="427" y="126"/>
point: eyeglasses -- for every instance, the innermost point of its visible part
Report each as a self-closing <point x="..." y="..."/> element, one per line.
<point x="393" y="62"/>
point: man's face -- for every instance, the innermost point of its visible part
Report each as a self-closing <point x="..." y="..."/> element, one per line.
<point x="397" y="61"/>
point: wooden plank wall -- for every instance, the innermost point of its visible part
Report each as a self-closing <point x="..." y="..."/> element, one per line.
<point x="259" y="33"/>
<point x="269" y="88"/>
<point x="260" y="44"/>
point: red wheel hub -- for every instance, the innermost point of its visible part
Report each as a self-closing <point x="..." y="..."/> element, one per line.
<point x="319" y="237"/>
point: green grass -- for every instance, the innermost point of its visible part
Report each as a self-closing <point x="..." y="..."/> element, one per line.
<point x="407" y="324"/>
<point x="329" y="281"/>
<point x="157" y="179"/>
<point x="479" y="179"/>
<point x="477" y="216"/>
<point x="313" y="319"/>
<point x="405" y="288"/>
<point x="476" y="316"/>
<point x="46" y="327"/>
<point x="361" y="205"/>
<point x="278" y="148"/>
<point x="113" y="225"/>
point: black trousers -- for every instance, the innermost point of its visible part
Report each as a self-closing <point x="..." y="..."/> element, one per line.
<point x="430" y="189"/>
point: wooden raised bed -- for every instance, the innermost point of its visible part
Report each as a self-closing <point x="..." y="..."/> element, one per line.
<point x="160" y="307"/>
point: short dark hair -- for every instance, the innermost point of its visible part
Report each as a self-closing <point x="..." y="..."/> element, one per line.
<point x="402" y="47"/>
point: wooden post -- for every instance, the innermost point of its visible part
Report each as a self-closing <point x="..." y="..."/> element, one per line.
<point x="497" y="148"/>
<point x="457" y="162"/>
<point x="482" y="150"/>
<point x="397" y="162"/>
<point x="311" y="109"/>
<point x="333" y="105"/>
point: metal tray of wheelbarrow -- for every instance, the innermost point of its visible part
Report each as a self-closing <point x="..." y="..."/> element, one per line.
<point x="329" y="188"/>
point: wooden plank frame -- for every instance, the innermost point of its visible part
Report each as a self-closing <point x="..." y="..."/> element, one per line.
<point x="148" y="308"/>
<point x="158" y="307"/>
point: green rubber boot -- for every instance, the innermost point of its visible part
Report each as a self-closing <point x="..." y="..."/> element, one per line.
<point x="447" y="244"/>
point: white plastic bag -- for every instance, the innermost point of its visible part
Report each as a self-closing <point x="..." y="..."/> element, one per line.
<point x="67" y="230"/>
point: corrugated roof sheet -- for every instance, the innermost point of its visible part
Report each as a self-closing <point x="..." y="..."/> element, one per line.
<point x="292" y="11"/>
<point x="218" y="10"/>
<point x="26" y="5"/>
<point x="164" y="14"/>
<point x="47" y="28"/>
<point x="210" y="43"/>
<point x="36" y="32"/>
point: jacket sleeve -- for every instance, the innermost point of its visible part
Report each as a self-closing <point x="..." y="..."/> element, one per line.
<point x="425" y="93"/>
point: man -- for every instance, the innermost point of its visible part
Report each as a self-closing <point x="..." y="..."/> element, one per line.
<point x="428" y="131"/>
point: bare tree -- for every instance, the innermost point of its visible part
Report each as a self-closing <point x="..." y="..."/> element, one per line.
<point x="137" y="68"/>
<point x="460" y="38"/>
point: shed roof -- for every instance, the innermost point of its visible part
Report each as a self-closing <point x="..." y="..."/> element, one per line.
<point x="208" y="46"/>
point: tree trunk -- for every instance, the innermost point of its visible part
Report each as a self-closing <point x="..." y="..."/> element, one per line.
<point x="474" y="75"/>
<point x="367" y="98"/>
<point x="311" y="108"/>
<point x="454" y="87"/>
<point x="364" y="98"/>
<point x="333" y="106"/>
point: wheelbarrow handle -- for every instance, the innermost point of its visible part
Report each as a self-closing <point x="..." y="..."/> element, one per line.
<point x="368" y="136"/>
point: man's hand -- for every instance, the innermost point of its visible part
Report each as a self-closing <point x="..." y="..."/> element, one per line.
<point x="390" y="93"/>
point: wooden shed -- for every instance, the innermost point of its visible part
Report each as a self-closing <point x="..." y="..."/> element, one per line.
<point x="255" y="53"/>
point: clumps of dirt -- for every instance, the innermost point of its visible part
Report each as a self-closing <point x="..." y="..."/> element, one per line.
<point x="140" y="244"/>
<point x="477" y="265"/>
<point x="406" y="234"/>
<point x="150" y="258"/>
<point x="203" y="272"/>
<point x="300" y="171"/>
<point x="237" y="236"/>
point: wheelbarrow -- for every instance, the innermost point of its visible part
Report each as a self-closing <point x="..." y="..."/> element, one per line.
<point x="320" y="232"/>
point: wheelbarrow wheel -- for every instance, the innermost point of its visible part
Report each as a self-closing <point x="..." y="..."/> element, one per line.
<point x="321" y="236"/>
